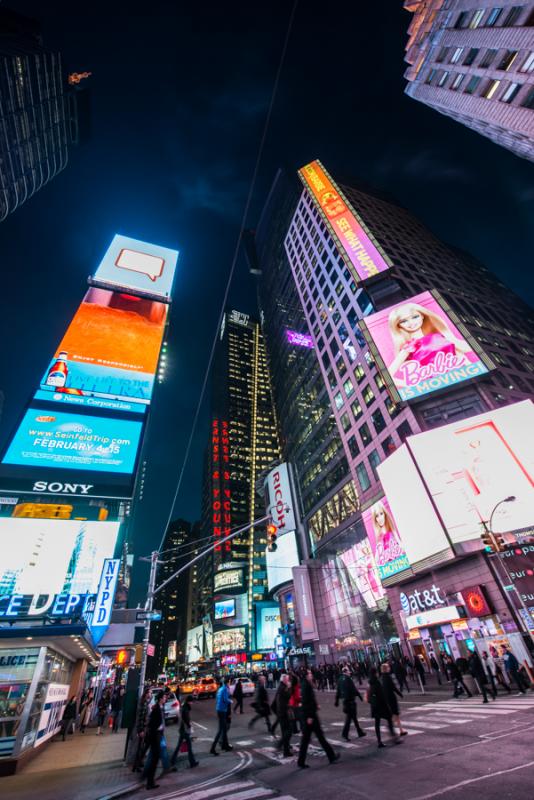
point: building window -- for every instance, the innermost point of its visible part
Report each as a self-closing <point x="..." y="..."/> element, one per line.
<point x="359" y="373"/>
<point x="487" y="58"/>
<point x="477" y="18"/>
<point x="404" y="430"/>
<point x="363" y="477"/>
<point x="490" y="89"/>
<point x="348" y="387"/>
<point x="353" y="446"/>
<point x="471" y="55"/>
<point x="457" y="55"/>
<point x="493" y="16"/>
<point x="356" y="409"/>
<point x="374" y="461"/>
<point x="472" y="85"/>
<point x="338" y="400"/>
<point x="365" y="434"/>
<point x="443" y="78"/>
<point x="528" y="63"/>
<point x="462" y="21"/>
<point x="388" y="446"/>
<point x="507" y="60"/>
<point x="512" y="16"/>
<point x="378" y="420"/>
<point x="345" y="421"/>
<point x="510" y="92"/>
<point x="393" y="409"/>
<point x="457" y="82"/>
<point x="528" y="102"/>
<point x="442" y="55"/>
<point x="368" y="395"/>
<point x="430" y="76"/>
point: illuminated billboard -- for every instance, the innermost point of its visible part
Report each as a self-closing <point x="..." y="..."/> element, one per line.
<point x="360" y="253"/>
<point x="138" y="267"/>
<point x="227" y="579"/>
<point x="195" y="644"/>
<point x="59" y="440"/>
<point x="299" y="339"/>
<point x="362" y="568"/>
<point x="386" y="545"/>
<point x="229" y="640"/>
<point x="224" y="609"/>
<point x="419" y="349"/>
<point x="109" y="354"/>
<point x="268" y="622"/>
<point x="281" y="561"/>
<point x="470" y="466"/>
<point x="50" y="556"/>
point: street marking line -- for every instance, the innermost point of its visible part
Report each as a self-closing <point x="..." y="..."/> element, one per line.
<point x="247" y="795"/>
<point x="420" y="723"/>
<point x="411" y="731"/>
<point x="218" y="790"/>
<point x="450" y="720"/>
<point x="204" y="728"/>
<point x="483" y="741"/>
<point x="245" y="760"/>
<point x="469" y="781"/>
<point x="245" y="742"/>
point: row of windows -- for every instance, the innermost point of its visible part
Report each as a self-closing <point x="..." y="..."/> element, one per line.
<point x="476" y="85"/>
<point x="491" y="17"/>
<point x="505" y="61"/>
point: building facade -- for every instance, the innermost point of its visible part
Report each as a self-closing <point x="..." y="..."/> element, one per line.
<point x="475" y="63"/>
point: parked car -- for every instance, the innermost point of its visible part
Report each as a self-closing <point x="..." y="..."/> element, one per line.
<point x="248" y="687"/>
<point x="205" y="687"/>
<point x="172" y="709"/>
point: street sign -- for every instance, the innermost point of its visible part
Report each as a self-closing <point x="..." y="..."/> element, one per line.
<point x="150" y="650"/>
<point x="143" y="616"/>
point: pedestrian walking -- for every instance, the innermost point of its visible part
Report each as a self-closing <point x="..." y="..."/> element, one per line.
<point x="476" y="668"/>
<point x="457" y="678"/>
<point x="238" y="696"/>
<point x="379" y="707"/>
<point x="223" y="706"/>
<point x="281" y="703"/>
<point x="117" y="702"/>
<point x="435" y="666"/>
<point x="69" y="717"/>
<point x="512" y="668"/>
<point x="184" y="736"/>
<point x="295" y="705"/>
<point x="347" y="693"/>
<point x="102" y="713"/>
<point x="420" y="670"/>
<point x="490" y="668"/>
<point x="142" y="723"/>
<point x="401" y="674"/>
<point x="391" y="693"/>
<point x="86" y="710"/>
<point x="261" y="705"/>
<point x="155" y="734"/>
<point x="311" y="723"/>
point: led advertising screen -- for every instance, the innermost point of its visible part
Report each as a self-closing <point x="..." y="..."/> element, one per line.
<point x="519" y="564"/>
<point x="268" y="623"/>
<point x="470" y="466"/>
<point x="224" y="609"/>
<point x="299" y="339"/>
<point x="362" y="568"/>
<point x="138" y="267"/>
<point x="359" y="250"/>
<point x="67" y="440"/>
<point x="109" y="354"/>
<point x="281" y="561"/>
<point x="419" y="349"/>
<point x="194" y="644"/>
<point x="386" y="544"/>
<point x="50" y="556"/>
<point x="229" y="640"/>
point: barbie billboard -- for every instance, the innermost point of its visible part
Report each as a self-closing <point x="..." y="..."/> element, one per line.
<point x="421" y="348"/>
<point x="386" y="545"/>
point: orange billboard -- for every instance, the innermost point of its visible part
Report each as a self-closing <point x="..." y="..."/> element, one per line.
<point x="355" y="244"/>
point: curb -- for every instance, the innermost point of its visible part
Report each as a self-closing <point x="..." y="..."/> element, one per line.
<point x="122" y="791"/>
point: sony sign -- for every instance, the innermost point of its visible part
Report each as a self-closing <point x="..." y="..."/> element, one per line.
<point x="54" y="487"/>
<point x="279" y="499"/>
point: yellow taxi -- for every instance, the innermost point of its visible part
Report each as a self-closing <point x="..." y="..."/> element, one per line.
<point x="205" y="687"/>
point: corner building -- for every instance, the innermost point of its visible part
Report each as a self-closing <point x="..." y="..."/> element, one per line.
<point x="370" y="424"/>
<point x="243" y="445"/>
<point x="474" y="62"/>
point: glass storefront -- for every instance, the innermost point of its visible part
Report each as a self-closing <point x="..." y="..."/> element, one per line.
<point x="17" y="667"/>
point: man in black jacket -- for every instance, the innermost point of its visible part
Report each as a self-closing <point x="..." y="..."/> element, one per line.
<point x="281" y="703"/>
<point x="261" y="705"/>
<point x="347" y="692"/>
<point x="311" y="724"/>
<point x="476" y="668"/>
<point x="155" y="728"/>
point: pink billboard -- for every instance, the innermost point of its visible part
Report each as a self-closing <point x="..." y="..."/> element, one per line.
<point x="386" y="545"/>
<point x="360" y="562"/>
<point x="421" y="348"/>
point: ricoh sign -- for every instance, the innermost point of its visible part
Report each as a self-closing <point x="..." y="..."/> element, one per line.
<point x="279" y="499"/>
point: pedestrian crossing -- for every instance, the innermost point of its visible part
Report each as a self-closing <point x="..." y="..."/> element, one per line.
<point x="456" y="711"/>
<point x="235" y="790"/>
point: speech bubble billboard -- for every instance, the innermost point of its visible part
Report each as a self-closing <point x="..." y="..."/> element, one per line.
<point x="146" y="264"/>
<point x="137" y="266"/>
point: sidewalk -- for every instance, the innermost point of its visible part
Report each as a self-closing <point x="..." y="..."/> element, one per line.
<point x="84" y="767"/>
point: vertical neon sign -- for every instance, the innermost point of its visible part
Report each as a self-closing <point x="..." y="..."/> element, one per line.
<point x="221" y="500"/>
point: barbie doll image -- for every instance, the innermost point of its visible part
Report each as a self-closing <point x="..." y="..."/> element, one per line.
<point x="388" y="545"/>
<point x="419" y="335"/>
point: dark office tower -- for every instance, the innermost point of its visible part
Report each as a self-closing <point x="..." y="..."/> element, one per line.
<point x="37" y="113"/>
<point x="172" y="600"/>
<point x="474" y="62"/>
<point x="243" y="444"/>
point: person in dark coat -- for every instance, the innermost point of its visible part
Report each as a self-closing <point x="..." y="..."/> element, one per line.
<point x="379" y="707"/>
<point x="142" y="722"/>
<point x="512" y="667"/>
<point x="261" y="705"/>
<point x="185" y="734"/>
<point x="419" y="668"/>
<point x="238" y="696"/>
<point x="117" y="702"/>
<point x="401" y="674"/>
<point x="69" y="715"/>
<point x="281" y="702"/>
<point x="391" y="693"/>
<point x="457" y="678"/>
<point x="311" y="723"/>
<point x="476" y="668"/>
<point x="435" y="666"/>
<point x="155" y="729"/>
<point x="347" y="693"/>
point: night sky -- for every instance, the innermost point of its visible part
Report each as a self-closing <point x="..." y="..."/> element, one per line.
<point x="179" y="97"/>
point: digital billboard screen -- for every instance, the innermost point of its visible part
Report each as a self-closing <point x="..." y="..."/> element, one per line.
<point x="299" y="339"/>
<point x="194" y="644"/>
<point x="230" y="639"/>
<point x="361" y="565"/>
<point x="109" y="354"/>
<point x="360" y="252"/>
<point x="419" y="349"/>
<point x="50" y="556"/>
<point x="386" y="544"/>
<point x="268" y="622"/>
<point x="224" y="609"/>
<point x="59" y="440"/>
<point x="138" y="267"/>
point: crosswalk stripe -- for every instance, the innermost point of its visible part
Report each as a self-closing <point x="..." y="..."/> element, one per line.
<point x="217" y="790"/>
<point x="246" y="795"/>
<point x="451" y="720"/>
<point x="421" y="723"/>
<point x="245" y="742"/>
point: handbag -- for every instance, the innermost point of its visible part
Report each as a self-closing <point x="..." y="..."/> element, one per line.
<point x="183" y="747"/>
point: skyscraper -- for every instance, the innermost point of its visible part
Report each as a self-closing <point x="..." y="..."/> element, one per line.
<point x="37" y="114"/>
<point x="475" y="64"/>
<point x="243" y="445"/>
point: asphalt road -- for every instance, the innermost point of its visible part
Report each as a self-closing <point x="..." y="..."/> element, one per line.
<point x="454" y="749"/>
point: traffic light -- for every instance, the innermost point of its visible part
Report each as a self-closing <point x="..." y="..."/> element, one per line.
<point x="272" y="533"/>
<point x="493" y="542"/>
